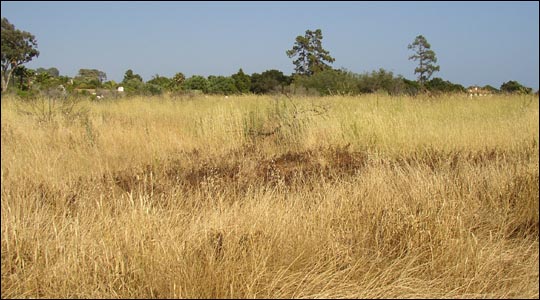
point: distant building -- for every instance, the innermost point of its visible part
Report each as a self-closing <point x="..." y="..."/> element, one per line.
<point x="476" y="91"/>
<point x="120" y="89"/>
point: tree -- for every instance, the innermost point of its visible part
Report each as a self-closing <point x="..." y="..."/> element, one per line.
<point x="179" y="78"/>
<point x="221" y="85"/>
<point x="311" y="55"/>
<point x="129" y="75"/>
<point x="515" y="87"/>
<point x="493" y="90"/>
<point x="158" y="84"/>
<point x="242" y="81"/>
<point x="51" y="71"/>
<point x="43" y="79"/>
<point x="160" y="81"/>
<point x="411" y="87"/>
<point x="268" y="81"/>
<point x="196" y="82"/>
<point x="132" y="83"/>
<point x="110" y="85"/>
<point x="177" y="81"/>
<point x="18" y="47"/>
<point x="90" y="78"/>
<point x="444" y="86"/>
<point x="24" y="75"/>
<point x="426" y="58"/>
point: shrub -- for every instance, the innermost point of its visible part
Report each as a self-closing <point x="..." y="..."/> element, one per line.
<point x="329" y="82"/>
<point x="381" y="80"/>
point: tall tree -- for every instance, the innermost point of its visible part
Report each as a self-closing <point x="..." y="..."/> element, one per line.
<point x="426" y="59"/>
<point x="242" y="81"/>
<point x="311" y="55"/>
<point x="18" y="47"/>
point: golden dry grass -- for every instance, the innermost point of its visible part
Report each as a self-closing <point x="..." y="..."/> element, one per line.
<point x="259" y="197"/>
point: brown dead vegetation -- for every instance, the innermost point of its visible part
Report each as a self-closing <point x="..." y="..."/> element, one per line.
<point x="246" y="167"/>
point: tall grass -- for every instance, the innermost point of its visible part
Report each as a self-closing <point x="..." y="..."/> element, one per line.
<point x="266" y="196"/>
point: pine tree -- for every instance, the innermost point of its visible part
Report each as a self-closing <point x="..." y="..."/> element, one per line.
<point x="426" y="58"/>
<point x="311" y="55"/>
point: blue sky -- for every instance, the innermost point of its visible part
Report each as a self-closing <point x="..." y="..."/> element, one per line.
<point x="475" y="42"/>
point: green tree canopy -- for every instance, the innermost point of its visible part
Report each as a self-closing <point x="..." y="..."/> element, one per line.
<point x="242" y="81"/>
<point x="177" y="81"/>
<point x="411" y="87"/>
<point x="426" y="59"/>
<point x="515" y="87"/>
<point x="51" y="71"/>
<point x="490" y="88"/>
<point x="111" y="84"/>
<point x="311" y="56"/>
<point x="268" y="81"/>
<point x="23" y="76"/>
<point x="196" y="82"/>
<point x="160" y="81"/>
<point x="43" y="79"/>
<point x="90" y="78"/>
<point x="157" y="85"/>
<point x="221" y="85"/>
<point x="133" y="83"/>
<point x="437" y="84"/>
<point x="129" y="75"/>
<point x="18" y="47"/>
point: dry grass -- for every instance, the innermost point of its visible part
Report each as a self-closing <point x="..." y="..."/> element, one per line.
<point x="266" y="197"/>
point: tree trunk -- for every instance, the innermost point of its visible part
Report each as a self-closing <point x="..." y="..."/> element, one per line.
<point x="5" y="79"/>
<point x="4" y="85"/>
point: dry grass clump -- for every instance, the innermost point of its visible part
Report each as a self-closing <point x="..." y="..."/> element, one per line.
<point x="370" y="197"/>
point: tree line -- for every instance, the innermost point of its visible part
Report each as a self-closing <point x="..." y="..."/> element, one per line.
<point x="313" y="74"/>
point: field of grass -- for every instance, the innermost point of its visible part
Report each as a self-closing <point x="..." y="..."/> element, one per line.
<point x="271" y="197"/>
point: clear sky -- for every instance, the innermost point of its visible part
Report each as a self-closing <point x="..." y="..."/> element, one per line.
<point x="475" y="42"/>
